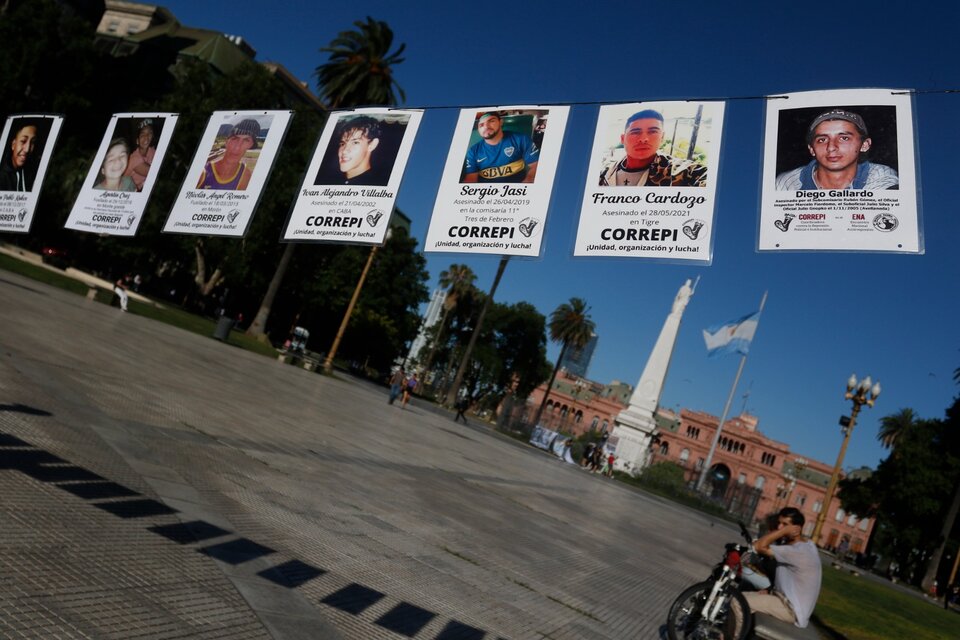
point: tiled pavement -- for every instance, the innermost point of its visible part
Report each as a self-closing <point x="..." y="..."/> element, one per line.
<point x="157" y="484"/>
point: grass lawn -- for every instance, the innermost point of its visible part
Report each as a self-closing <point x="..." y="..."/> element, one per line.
<point x="861" y="609"/>
<point x="168" y="315"/>
<point x="34" y="272"/>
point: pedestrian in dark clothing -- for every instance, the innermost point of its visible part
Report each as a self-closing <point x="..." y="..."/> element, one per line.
<point x="462" y="405"/>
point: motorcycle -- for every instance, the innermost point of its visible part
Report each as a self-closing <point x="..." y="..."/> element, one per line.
<point x="715" y="609"/>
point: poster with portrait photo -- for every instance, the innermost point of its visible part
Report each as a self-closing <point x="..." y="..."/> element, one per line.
<point x="351" y="184"/>
<point x="652" y="182"/>
<point x="227" y="175"/>
<point x="495" y="191"/>
<point x="839" y="173"/>
<point x="117" y="187"/>
<point x="28" y="141"/>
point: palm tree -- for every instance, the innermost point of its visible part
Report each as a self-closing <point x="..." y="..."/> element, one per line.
<point x="896" y="426"/>
<point x="458" y="281"/>
<point x="454" y="389"/>
<point x="571" y="326"/>
<point x="358" y="73"/>
<point x="360" y="68"/>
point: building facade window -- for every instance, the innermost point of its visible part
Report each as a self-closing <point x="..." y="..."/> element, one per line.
<point x="817" y="506"/>
<point x="801" y="499"/>
<point x="664" y="448"/>
<point x="852" y="520"/>
<point x="684" y="456"/>
<point x="864" y="524"/>
<point x="839" y="516"/>
<point x="596" y="421"/>
<point x="742" y="478"/>
<point x="759" y="482"/>
<point x="700" y="462"/>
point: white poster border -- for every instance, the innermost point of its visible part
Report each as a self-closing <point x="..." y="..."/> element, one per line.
<point x="225" y="212"/>
<point x="661" y="223"/>
<point x="879" y="220"/>
<point x="17" y="208"/>
<point x="119" y="213"/>
<point x="497" y="218"/>
<point x="328" y="212"/>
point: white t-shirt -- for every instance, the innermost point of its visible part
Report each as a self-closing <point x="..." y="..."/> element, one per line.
<point x="798" y="577"/>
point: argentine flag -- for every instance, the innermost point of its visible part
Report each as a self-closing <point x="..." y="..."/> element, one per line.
<point x="733" y="336"/>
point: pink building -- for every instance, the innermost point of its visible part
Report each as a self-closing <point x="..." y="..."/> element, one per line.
<point x="749" y="459"/>
<point x="577" y="405"/>
<point x="749" y="471"/>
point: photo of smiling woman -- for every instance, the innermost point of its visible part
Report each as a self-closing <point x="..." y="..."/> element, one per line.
<point x="114" y="164"/>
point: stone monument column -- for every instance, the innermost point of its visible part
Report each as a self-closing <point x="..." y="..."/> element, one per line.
<point x="635" y="424"/>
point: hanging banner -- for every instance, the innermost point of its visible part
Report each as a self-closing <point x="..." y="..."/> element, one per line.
<point x="652" y="183"/>
<point x="351" y="184"/>
<point x="839" y="173"/>
<point x="228" y="172"/>
<point x="124" y="170"/>
<point x="496" y="185"/>
<point x="28" y="144"/>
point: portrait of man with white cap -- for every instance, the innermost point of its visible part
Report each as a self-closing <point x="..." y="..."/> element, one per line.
<point x="838" y="143"/>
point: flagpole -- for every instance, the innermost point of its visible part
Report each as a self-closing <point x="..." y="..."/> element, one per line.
<point x="726" y="409"/>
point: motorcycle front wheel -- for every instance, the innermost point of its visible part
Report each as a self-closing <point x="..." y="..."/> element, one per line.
<point x="684" y="621"/>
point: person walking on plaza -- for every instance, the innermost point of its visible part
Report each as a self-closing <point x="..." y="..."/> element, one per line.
<point x="608" y="468"/>
<point x="409" y="387"/>
<point x="396" y="384"/>
<point x="462" y="405"/>
<point x="121" y="292"/>
<point x="587" y="455"/>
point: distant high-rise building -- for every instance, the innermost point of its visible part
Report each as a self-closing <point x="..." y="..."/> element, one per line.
<point x="577" y="361"/>
<point x="434" y="309"/>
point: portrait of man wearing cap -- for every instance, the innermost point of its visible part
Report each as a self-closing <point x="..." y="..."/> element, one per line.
<point x="229" y="172"/>
<point x="138" y="164"/>
<point x="838" y="142"/>
<point x="500" y="156"/>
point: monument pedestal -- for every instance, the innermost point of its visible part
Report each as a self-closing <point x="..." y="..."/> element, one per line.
<point x="635" y="425"/>
<point x="634" y="432"/>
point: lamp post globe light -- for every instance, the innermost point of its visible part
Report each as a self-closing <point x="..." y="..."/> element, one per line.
<point x="862" y="393"/>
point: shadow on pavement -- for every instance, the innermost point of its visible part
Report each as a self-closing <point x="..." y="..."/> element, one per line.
<point x="19" y="455"/>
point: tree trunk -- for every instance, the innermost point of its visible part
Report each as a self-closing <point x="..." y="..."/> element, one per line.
<point x="205" y="286"/>
<point x="458" y="380"/>
<point x="258" y="326"/>
<point x="931" y="574"/>
<point x="553" y="376"/>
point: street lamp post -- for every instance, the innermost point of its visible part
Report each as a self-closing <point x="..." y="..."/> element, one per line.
<point x="860" y="394"/>
<point x="799" y="464"/>
<point x="328" y="362"/>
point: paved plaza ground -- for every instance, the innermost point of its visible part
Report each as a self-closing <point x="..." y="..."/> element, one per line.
<point x="158" y="484"/>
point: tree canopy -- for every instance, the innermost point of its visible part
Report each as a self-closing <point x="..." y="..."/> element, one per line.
<point x="912" y="489"/>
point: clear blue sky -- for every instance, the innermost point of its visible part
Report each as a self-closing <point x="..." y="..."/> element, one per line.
<point x="894" y="317"/>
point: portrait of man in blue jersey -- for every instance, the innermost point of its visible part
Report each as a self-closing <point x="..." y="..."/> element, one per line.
<point x="500" y="155"/>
